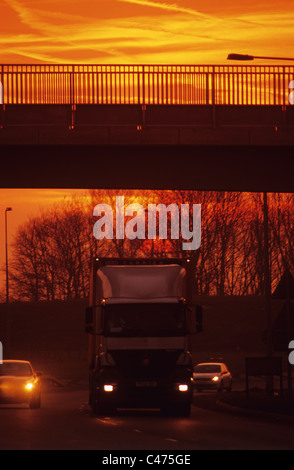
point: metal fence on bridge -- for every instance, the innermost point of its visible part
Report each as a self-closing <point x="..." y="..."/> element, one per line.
<point x="146" y="84"/>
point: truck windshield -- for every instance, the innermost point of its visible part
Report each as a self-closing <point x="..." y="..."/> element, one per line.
<point x="152" y="319"/>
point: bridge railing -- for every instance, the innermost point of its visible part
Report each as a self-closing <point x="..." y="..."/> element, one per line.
<point x="145" y="84"/>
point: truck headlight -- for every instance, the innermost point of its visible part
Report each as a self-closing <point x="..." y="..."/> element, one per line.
<point x="29" y="386"/>
<point x="183" y="387"/>
<point x="215" y="378"/>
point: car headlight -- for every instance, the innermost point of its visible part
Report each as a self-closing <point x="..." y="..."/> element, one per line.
<point x="215" y="378"/>
<point x="29" y="386"/>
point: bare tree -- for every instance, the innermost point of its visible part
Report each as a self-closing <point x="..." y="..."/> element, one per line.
<point x="52" y="252"/>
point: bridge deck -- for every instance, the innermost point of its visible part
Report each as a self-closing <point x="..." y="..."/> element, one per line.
<point x="146" y="125"/>
<point x="168" y="127"/>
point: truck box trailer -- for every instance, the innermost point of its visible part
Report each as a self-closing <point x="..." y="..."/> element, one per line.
<point x="139" y="321"/>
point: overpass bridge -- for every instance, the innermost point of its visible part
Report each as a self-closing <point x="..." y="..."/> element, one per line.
<point x="147" y="126"/>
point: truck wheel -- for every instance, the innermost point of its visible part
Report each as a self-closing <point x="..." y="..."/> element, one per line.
<point x="176" y="410"/>
<point x="102" y="410"/>
<point x="183" y="410"/>
<point x="166" y="410"/>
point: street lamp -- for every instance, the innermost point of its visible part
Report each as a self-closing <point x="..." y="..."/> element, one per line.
<point x="252" y="57"/>
<point x="8" y="209"/>
<point x="267" y="275"/>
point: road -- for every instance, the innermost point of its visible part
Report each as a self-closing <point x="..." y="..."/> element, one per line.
<point x="65" y="422"/>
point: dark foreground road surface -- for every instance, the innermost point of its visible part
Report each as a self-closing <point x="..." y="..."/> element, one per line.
<point x="65" y="422"/>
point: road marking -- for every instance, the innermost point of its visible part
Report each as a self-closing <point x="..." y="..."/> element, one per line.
<point x="108" y="421"/>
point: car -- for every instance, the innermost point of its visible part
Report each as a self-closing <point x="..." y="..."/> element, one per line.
<point x="212" y="375"/>
<point x="19" y="383"/>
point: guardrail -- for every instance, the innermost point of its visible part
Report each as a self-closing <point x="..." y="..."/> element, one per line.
<point x="146" y="84"/>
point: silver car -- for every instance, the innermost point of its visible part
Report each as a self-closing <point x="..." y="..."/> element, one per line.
<point x="212" y="375"/>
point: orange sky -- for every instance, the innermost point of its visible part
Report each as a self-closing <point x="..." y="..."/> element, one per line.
<point x="25" y="203"/>
<point x="143" y="31"/>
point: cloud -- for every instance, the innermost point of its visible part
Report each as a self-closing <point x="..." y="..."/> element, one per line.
<point x="42" y="20"/>
<point x="172" y="7"/>
<point x="176" y="35"/>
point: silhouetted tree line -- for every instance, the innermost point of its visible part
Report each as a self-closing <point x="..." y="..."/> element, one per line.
<point x="52" y="252"/>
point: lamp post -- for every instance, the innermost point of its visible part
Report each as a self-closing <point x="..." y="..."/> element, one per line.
<point x="234" y="56"/>
<point x="8" y="209"/>
<point x="267" y="275"/>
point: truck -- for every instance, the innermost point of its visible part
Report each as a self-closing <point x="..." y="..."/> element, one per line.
<point x="139" y="322"/>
